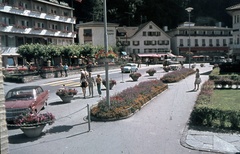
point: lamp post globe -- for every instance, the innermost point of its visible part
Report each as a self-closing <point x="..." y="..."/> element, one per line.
<point x="189" y="9"/>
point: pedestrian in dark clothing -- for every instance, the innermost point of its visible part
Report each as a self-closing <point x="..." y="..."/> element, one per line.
<point x="89" y="67"/>
<point x="61" y="69"/>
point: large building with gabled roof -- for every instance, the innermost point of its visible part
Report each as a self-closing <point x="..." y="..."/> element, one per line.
<point x="147" y="38"/>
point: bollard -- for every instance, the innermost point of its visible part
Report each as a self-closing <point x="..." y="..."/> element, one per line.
<point x="89" y="118"/>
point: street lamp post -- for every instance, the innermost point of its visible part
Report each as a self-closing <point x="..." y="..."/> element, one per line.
<point x="189" y="9"/>
<point x="106" y="50"/>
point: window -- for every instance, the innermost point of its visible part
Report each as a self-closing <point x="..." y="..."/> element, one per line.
<point x="154" y="33"/>
<point x="136" y="43"/>
<point x="231" y="41"/>
<point x="181" y="42"/>
<point x="20" y="41"/>
<point x="53" y="27"/>
<point x="87" y="32"/>
<point x="224" y="42"/>
<point x="166" y="42"/>
<point x="65" y="13"/>
<point x="210" y="42"/>
<point x="11" y="41"/>
<point x="6" y="20"/>
<point x="25" y="23"/>
<point x="203" y="42"/>
<point x="136" y="50"/>
<point x="144" y="33"/>
<point x="196" y="42"/>
<point x="23" y="5"/>
<point x="53" y="11"/>
<point x="217" y="42"/>
<point x="10" y="61"/>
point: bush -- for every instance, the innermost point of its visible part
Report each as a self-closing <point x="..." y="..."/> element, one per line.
<point x="152" y="70"/>
<point x="177" y="75"/>
<point x="207" y="114"/>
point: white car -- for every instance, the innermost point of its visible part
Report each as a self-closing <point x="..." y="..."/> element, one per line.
<point x="128" y="68"/>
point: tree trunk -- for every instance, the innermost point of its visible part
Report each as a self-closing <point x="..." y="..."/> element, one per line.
<point x="3" y="124"/>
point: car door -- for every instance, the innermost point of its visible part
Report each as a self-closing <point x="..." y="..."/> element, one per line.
<point x="40" y="98"/>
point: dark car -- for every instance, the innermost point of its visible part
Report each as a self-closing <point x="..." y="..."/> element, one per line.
<point x="25" y="99"/>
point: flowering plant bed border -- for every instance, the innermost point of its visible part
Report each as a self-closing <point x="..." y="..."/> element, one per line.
<point x="128" y="102"/>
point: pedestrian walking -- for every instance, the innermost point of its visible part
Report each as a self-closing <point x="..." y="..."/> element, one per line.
<point x="99" y="82"/>
<point x="91" y="82"/>
<point x="89" y="67"/>
<point x="84" y="82"/>
<point x="197" y="80"/>
<point x="61" y="69"/>
<point x="139" y="63"/>
<point x="65" y="67"/>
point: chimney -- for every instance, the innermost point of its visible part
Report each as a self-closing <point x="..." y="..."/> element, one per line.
<point x="165" y="28"/>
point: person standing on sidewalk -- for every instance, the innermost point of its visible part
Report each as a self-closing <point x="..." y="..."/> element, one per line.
<point x="197" y="80"/>
<point x="91" y="82"/>
<point x="84" y="82"/>
<point x="65" y="67"/>
<point x="99" y="82"/>
<point x="61" y="69"/>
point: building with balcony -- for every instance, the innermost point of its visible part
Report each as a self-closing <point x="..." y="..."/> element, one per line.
<point x="234" y="11"/>
<point x="202" y="41"/>
<point x="33" y="21"/>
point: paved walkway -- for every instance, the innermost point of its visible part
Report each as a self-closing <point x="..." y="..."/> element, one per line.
<point x="210" y="141"/>
<point x="161" y="124"/>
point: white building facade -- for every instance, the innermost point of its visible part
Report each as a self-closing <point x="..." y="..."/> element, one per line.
<point x="33" y="21"/>
<point x="202" y="41"/>
<point x="93" y="33"/>
<point x="148" y="38"/>
<point x="234" y="11"/>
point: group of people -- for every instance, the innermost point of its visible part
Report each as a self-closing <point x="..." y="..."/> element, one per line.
<point x="86" y="80"/>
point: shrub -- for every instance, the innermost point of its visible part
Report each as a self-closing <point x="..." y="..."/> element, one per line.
<point x="152" y="70"/>
<point x="207" y="114"/>
<point x="177" y="75"/>
<point x="135" y="75"/>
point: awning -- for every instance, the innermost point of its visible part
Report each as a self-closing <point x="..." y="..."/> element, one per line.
<point x="149" y="55"/>
<point x="9" y="51"/>
<point x="171" y="55"/>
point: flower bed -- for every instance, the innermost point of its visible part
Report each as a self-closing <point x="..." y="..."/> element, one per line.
<point x="128" y="101"/>
<point x="177" y="75"/>
<point x="66" y="92"/>
<point x="34" y="120"/>
<point x="113" y="82"/>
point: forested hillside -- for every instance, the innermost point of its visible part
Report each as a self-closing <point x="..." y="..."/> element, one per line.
<point x="163" y="12"/>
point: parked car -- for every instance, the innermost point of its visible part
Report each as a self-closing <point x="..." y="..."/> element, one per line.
<point x="128" y="68"/>
<point x="25" y="99"/>
<point x="218" y="60"/>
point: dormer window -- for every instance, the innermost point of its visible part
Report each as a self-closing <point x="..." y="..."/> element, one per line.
<point x="150" y="26"/>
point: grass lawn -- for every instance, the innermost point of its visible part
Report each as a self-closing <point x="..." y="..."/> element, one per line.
<point x="226" y="100"/>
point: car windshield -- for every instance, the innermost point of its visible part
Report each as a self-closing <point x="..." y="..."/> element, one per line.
<point x="20" y="94"/>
